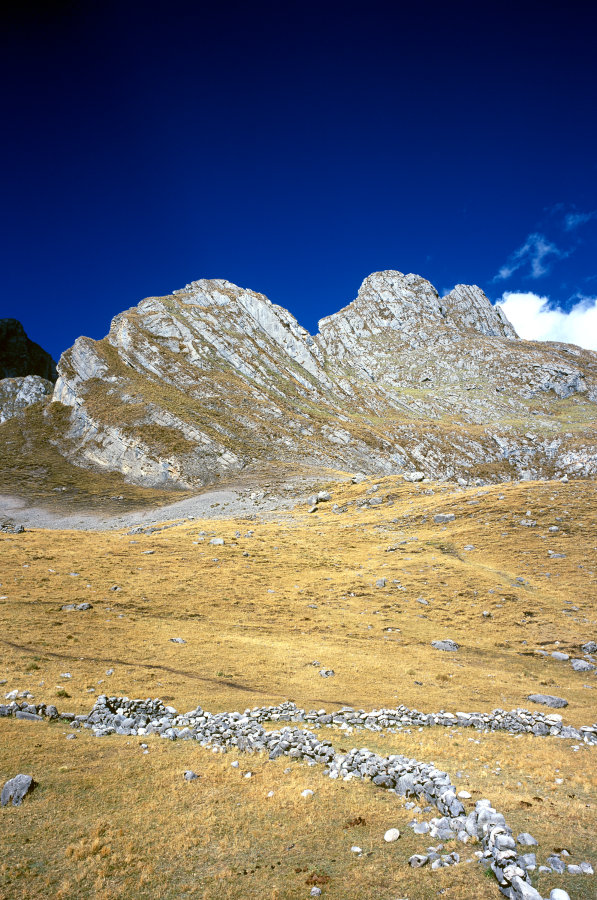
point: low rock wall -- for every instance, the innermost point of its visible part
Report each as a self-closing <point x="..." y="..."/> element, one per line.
<point x="403" y="776"/>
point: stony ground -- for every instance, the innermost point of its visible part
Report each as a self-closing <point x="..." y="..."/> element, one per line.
<point x="362" y="590"/>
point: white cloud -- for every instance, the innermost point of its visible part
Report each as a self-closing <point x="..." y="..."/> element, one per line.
<point x="574" y="219"/>
<point x="535" y="252"/>
<point x="535" y="320"/>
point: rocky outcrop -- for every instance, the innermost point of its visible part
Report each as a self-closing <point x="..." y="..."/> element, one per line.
<point x="19" y="356"/>
<point x="215" y="378"/>
<point x="18" y="393"/>
<point x="468" y="308"/>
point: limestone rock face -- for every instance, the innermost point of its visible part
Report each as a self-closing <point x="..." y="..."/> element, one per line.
<point x="20" y="356"/>
<point x="468" y="307"/>
<point x="215" y="378"/>
<point x="18" y="393"/>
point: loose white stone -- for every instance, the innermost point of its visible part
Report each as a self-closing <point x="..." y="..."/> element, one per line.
<point x="392" y="834"/>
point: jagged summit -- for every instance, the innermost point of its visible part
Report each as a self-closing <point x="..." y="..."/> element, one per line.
<point x="215" y="378"/>
<point x="411" y="309"/>
<point x="20" y="356"/>
<point x="26" y="370"/>
<point x="468" y="307"/>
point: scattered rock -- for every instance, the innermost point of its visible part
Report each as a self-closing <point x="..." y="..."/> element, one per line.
<point x="177" y="640"/>
<point x="11" y="528"/>
<point x="526" y="840"/>
<point x="556" y="864"/>
<point x="442" y="518"/>
<point x="448" y="646"/>
<point x="548" y="700"/>
<point x="392" y="834"/>
<point x="16" y="789"/>
<point x="581" y="665"/>
<point x="189" y="775"/>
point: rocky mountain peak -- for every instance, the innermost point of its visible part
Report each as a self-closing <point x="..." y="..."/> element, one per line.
<point x="20" y="356"/>
<point x="405" y="303"/>
<point x="469" y="308"/>
<point x="215" y="315"/>
<point x="392" y="308"/>
<point x="215" y="378"/>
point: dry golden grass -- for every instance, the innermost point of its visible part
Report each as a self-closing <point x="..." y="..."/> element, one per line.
<point x="255" y="613"/>
<point x="109" y="821"/>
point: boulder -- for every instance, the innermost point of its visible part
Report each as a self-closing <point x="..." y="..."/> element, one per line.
<point x="548" y="700"/>
<point x="16" y="789"/>
<point x="447" y="646"/>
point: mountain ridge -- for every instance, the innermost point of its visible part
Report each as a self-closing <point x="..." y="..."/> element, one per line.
<point x="215" y="378"/>
<point x="20" y="356"/>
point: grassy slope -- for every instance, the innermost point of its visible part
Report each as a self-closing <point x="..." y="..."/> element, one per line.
<point x="44" y="476"/>
<point x="247" y="646"/>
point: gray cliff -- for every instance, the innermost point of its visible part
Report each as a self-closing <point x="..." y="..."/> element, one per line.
<point x="214" y="379"/>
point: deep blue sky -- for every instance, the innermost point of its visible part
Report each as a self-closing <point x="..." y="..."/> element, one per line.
<point x="292" y="148"/>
